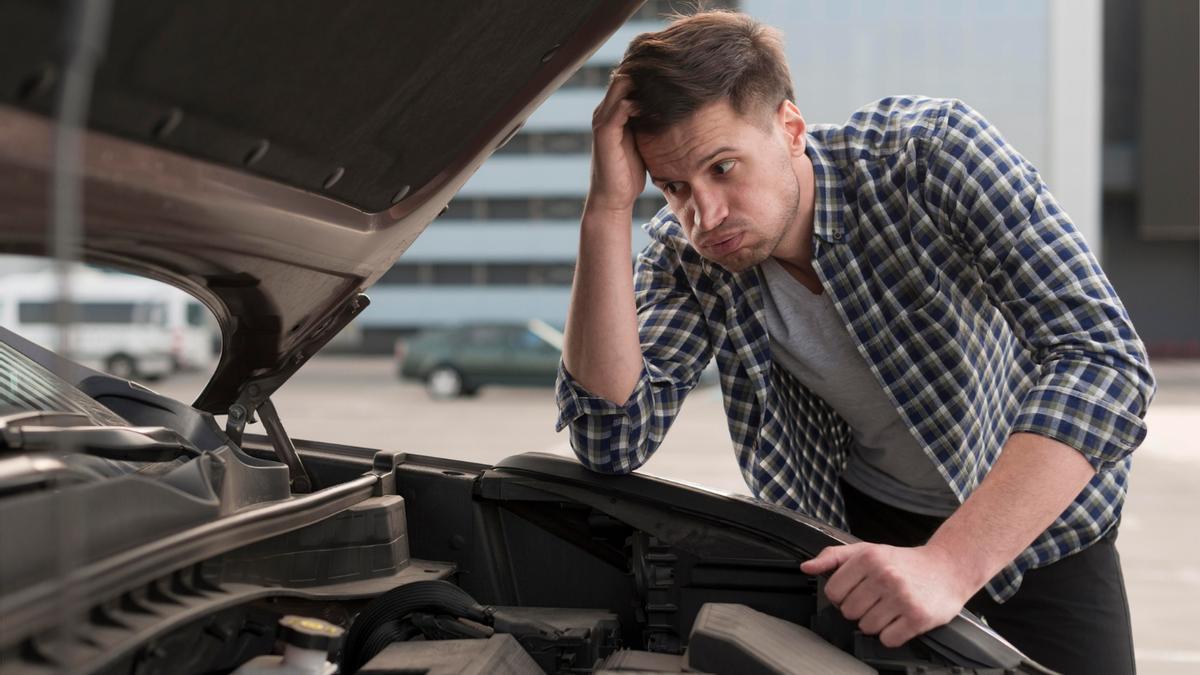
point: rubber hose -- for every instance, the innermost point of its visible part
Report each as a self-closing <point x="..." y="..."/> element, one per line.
<point x="387" y="633"/>
<point x="434" y="596"/>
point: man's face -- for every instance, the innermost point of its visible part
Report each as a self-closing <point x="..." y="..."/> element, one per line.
<point x="730" y="180"/>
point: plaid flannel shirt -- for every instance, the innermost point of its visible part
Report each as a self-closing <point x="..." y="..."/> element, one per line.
<point x="973" y="298"/>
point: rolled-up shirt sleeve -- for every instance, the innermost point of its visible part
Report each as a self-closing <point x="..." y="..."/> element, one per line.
<point x="618" y="438"/>
<point x="1094" y="383"/>
<point x="605" y="436"/>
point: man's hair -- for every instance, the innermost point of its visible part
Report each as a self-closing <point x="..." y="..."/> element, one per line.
<point x="703" y="58"/>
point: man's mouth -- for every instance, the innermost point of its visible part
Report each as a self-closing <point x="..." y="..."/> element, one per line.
<point x="724" y="245"/>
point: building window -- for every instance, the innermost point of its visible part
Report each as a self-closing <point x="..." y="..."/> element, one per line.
<point x="407" y="274"/>
<point x="517" y="145"/>
<point x="510" y="274"/>
<point x="566" y="143"/>
<point x="509" y="209"/>
<point x="553" y="275"/>
<point x="548" y="143"/>
<point x="460" y="209"/>
<point x="456" y="274"/>
<point x="537" y="208"/>
<point x="465" y="274"/>
<point x="562" y="209"/>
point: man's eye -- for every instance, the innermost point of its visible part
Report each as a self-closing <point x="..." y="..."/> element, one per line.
<point x="671" y="188"/>
<point x="723" y="167"/>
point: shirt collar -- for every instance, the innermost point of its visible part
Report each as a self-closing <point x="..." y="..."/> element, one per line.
<point x="829" y="200"/>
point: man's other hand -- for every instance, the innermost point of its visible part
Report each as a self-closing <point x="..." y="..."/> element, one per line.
<point x="895" y="593"/>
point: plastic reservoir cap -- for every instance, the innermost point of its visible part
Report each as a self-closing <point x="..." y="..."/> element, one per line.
<point x="308" y="633"/>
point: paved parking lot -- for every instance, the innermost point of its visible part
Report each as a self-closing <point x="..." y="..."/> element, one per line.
<point x="358" y="401"/>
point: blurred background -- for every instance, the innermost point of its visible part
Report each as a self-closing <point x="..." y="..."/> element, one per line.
<point x="1103" y="96"/>
<point x="1100" y="95"/>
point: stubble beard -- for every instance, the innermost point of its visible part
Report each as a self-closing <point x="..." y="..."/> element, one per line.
<point x="747" y="257"/>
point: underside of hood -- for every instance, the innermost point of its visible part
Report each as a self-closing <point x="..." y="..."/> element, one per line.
<point x="275" y="157"/>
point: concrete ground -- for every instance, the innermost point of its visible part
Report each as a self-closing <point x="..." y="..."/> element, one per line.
<point x="358" y="401"/>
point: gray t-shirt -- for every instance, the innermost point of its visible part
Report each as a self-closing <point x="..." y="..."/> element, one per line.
<point x="809" y="339"/>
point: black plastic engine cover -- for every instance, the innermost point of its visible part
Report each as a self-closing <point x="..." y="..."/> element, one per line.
<point x="729" y="638"/>
<point x="498" y="655"/>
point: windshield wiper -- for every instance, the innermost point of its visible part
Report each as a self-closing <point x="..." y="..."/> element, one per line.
<point x="47" y="418"/>
<point x="129" y="444"/>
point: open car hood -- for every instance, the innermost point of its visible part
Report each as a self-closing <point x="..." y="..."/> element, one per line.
<point x="274" y="158"/>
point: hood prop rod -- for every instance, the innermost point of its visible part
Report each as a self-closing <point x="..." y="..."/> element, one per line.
<point x="285" y="450"/>
<point x="255" y="395"/>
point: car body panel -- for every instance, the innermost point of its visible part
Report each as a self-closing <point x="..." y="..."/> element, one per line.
<point x="216" y="145"/>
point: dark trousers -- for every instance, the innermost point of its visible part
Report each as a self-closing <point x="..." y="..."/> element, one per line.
<point x="1071" y="616"/>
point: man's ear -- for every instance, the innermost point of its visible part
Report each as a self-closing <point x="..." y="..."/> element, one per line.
<point x="792" y="123"/>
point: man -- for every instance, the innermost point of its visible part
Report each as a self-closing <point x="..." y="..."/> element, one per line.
<point x="914" y="341"/>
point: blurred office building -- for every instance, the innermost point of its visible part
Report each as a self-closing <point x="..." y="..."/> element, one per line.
<point x="1100" y="96"/>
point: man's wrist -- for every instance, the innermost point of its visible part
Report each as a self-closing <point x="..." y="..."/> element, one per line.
<point x="970" y="572"/>
<point x="597" y="208"/>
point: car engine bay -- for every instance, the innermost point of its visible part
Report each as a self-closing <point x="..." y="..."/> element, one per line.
<point x="199" y="557"/>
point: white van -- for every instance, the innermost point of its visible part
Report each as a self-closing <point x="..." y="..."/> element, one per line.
<point x="195" y="337"/>
<point x="120" y="323"/>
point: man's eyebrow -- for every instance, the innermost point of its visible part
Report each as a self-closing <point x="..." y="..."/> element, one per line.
<point x="714" y="153"/>
<point x="708" y="158"/>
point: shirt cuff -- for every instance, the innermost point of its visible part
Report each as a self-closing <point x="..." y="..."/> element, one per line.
<point x="574" y="401"/>
<point x="1102" y="432"/>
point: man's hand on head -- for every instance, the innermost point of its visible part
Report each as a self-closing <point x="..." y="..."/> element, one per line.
<point x="895" y="593"/>
<point x="618" y="173"/>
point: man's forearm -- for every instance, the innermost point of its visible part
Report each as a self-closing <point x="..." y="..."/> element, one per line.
<point x="1032" y="482"/>
<point x="601" y="347"/>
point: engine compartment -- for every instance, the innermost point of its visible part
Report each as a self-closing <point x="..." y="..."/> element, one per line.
<point x="515" y="564"/>
<point x="429" y="565"/>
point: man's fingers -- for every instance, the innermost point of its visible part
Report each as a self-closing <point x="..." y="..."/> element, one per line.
<point x="845" y="579"/>
<point x="878" y="617"/>
<point x="846" y="571"/>
<point x="624" y="110"/>
<point x="860" y="600"/>
<point x="911" y="621"/>
<point x="614" y="117"/>
<point x="898" y="632"/>
<point x="831" y="557"/>
<point x="616" y="95"/>
<point x="620" y="86"/>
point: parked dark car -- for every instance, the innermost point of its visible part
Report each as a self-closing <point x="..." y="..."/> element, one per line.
<point x="274" y="159"/>
<point x="457" y="361"/>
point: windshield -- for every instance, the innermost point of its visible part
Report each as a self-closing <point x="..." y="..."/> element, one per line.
<point x="26" y="386"/>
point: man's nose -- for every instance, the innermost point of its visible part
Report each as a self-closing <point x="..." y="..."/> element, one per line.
<point x="708" y="209"/>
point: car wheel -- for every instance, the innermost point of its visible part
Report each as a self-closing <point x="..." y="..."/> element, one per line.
<point x="121" y="366"/>
<point x="444" y="382"/>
